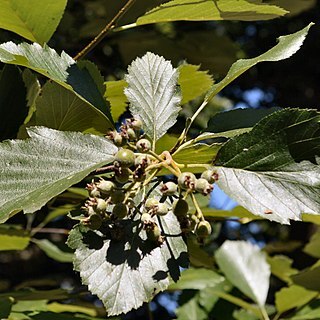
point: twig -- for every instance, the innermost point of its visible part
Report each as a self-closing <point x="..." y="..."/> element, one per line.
<point x="104" y="31"/>
<point x="49" y="230"/>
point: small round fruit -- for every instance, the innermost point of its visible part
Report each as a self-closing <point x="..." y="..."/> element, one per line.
<point x="131" y="134"/>
<point x="101" y="205"/>
<point x="94" y="192"/>
<point x="186" y="180"/>
<point x="125" y="158"/>
<point x="118" y="140"/>
<point x="143" y="145"/>
<point x="169" y="188"/>
<point x="145" y="217"/>
<point x="142" y="160"/>
<point x="154" y="234"/>
<point x="117" y="196"/>
<point x="122" y="176"/>
<point x="203" y="186"/>
<point x="105" y="186"/>
<point x="120" y="210"/>
<point x="94" y="222"/>
<point x="210" y="175"/>
<point x="151" y="203"/>
<point x="203" y="229"/>
<point x="180" y="207"/>
<point x="136" y="124"/>
<point x="161" y="209"/>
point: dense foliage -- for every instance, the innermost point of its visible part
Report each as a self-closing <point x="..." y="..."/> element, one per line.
<point x="111" y="167"/>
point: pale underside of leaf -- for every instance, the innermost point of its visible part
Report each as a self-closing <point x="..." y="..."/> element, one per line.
<point x="245" y="266"/>
<point x="202" y="10"/>
<point x="276" y="195"/>
<point x="152" y="93"/>
<point x="37" y="169"/>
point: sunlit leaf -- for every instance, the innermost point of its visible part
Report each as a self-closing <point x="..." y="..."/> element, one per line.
<point x="313" y="246"/>
<point x="115" y="95"/>
<point x="153" y="94"/>
<point x="245" y="266"/>
<point x="11" y="239"/>
<point x="35" y="20"/>
<point x="309" y="278"/>
<point x="204" y="10"/>
<point x="37" y="169"/>
<point x="281" y="267"/>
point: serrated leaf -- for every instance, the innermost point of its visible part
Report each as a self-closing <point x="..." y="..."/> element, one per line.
<point x="82" y="79"/>
<point x="281" y="267"/>
<point x="286" y="47"/>
<point x="13" y="104"/>
<point x="59" y="108"/>
<point x="204" y="10"/>
<point x="153" y="94"/>
<point x="37" y="169"/>
<point x="294" y="7"/>
<point x="309" y="278"/>
<point x="193" y="83"/>
<point x="293" y="297"/>
<point x="128" y="271"/>
<point x="269" y="170"/>
<point x="52" y="251"/>
<point x="313" y="246"/>
<point x="245" y="266"/>
<point x="35" y="20"/>
<point x="309" y="312"/>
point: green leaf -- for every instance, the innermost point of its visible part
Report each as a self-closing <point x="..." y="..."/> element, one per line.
<point x="191" y="310"/>
<point x="308" y="312"/>
<point x="5" y="307"/>
<point x="281" y="267"/>
<point x="83" y="79"/>
<point x="243" y="314"/>
<point x="238" y="212"/>
<point x="128" y="271"/>
<point x="269" y="170"/>
<point x="11" y="239"/>
<point x="286" y="47"/>
<point x="193" y="83"/>
<point x="152" y="94"/>
<point x="13" y="105"/>
<point x="35" y="20"/>
<point x="33" y="305"/>
<point x="237" y="119"/>
<point x="294" y="7"/>
<point x="313" y="246"/>
<point x="204" y="10"/>
<point x="52" y="251"/>
<point x="31" y="294"/>
<point x="37" y="169"/>
<point x="59" y="108"/>
<point x="115" y="95"/>
<point x="293" y="297"/>
<point x="309" y="279"/>
<point x="245" y="266"/>
<point x="72" y="308"/>
<point x="197" y="256"/>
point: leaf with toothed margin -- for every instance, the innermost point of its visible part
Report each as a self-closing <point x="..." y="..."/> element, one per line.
<point x="273" y="170"/>
<point x="36" y="169"/>
<point x="152" y="93"/>
<point x="128" y="270"/>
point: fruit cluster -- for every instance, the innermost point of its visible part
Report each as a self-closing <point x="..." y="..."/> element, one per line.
<point x="135" y="167"/>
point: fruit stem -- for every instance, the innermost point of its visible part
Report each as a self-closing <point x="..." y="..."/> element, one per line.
<point x="195" y="202"/>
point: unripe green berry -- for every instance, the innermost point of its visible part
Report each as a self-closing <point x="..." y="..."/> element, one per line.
<point x="125" y="158"/>
<point x="151" y="203"/>
<point x="101" y="205"/>
<point x="169" y="188"/>
<point x="161" y="209"/>
<point x="94" y="192"/>
<point x="105" y="186"/>
<point x="154" y="234"/>
<point x="203" y="229"/>
<point x="131" y="134"/>
<point x="123" y="175"/>
<point x="117" y="196"/>
<point x="136" y="124"/>
<point x="180" y="207"/>
<point x="203" y="186"/>
<point x="142" y="161"/>
<point x="143" y="145"/>
<point x="210" y="175"/>
<point x="94" y="221"/>
<point x="120" y="210"/>
<point x="118" y="139"/>
<point x="186" y="180"/>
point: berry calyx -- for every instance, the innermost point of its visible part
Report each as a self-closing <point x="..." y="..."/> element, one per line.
<point x="143" y="145"/>
<point x="186" y="180"/>
<point x="180" y="207"/>
<point x="203" y="186"/>
<point x="105" y="186"/>
<point x="210" y="175"/>
<point x="125" y="158"/>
